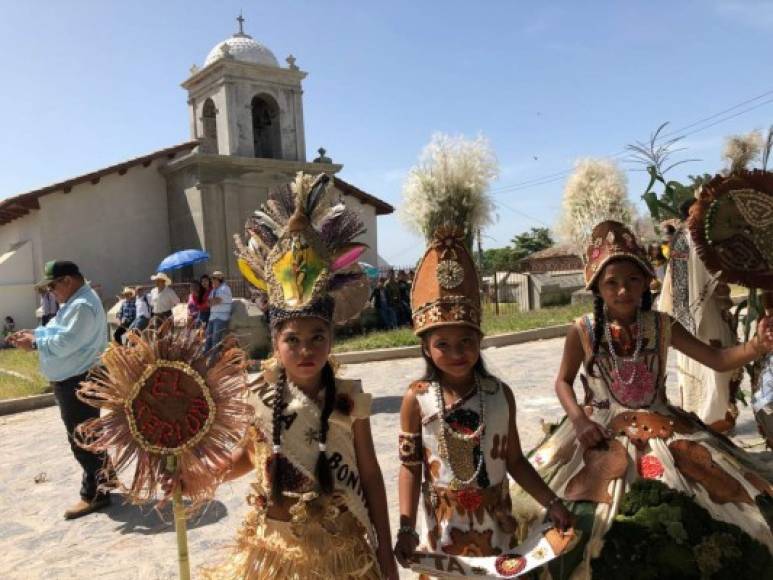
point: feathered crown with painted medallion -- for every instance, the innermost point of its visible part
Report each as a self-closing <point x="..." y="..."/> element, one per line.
<point x="300" y="252"/>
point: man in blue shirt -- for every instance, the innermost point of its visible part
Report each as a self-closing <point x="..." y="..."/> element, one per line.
<point x="220" y="303"/>
<point x="69" y="346"/>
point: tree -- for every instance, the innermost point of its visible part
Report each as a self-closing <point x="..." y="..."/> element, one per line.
<point x="499" y="260"/>
<point x="530" y="242"/>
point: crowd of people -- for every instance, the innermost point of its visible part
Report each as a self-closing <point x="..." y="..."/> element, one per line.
<point x="391" y="297"/>
<point x="209" y="306"/>
<point x="318" y="508"/>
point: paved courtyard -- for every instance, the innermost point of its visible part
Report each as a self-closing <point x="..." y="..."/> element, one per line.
<point x="127" y="542"/>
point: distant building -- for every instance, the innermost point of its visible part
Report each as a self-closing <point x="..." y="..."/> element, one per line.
<point x="117" y="223"/>
<point x="557" y="258"/>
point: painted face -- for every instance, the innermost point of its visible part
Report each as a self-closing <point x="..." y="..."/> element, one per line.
<point x="621" y="286"/>
<point x="454" y="349"/>
<point x="303" y="346"/>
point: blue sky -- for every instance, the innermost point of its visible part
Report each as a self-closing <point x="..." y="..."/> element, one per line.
<point x="91" y="83"/>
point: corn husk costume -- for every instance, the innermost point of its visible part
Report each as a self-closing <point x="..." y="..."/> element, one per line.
<point x="731" y="226"/>
<point x="469" y="528"/>
<point x="299" y="252"/>
<point x="170" y="414"/>
<point x="666" y="494"/>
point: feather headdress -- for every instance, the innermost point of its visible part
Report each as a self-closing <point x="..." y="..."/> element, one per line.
<point x="446" y="199"/>
<point x="300" y="252"/>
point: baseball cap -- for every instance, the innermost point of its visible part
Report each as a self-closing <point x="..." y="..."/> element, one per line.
<point x="56" y="269"/>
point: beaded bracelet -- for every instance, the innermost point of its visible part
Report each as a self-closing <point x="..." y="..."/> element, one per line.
<point x="556" y="499"/>
<point x="411" y="531"/>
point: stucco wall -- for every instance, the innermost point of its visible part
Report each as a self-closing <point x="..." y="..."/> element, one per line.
<point x="19" y="273"/>
<point x="370" y="237"/>
<point x="115" y="230"/>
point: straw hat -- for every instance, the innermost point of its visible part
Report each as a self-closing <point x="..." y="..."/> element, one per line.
<point x="127" y="290"/>
<point x="161" y="276"/>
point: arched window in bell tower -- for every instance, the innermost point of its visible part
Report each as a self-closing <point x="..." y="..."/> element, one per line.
<point x="209" y="122"/>
<point x="266" y="133"/>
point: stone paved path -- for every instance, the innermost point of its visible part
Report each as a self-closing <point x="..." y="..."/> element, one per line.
<point x="127" y="543"/>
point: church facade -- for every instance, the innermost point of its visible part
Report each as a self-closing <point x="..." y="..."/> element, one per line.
<point x="118" y="223"/>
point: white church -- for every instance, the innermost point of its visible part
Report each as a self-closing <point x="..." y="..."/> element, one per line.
<point x="246" y="136"/>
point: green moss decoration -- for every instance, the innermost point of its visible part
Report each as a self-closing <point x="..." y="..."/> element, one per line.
<point x="662" y="533"/>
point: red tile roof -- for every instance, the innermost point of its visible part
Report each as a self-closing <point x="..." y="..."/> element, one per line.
<point x="382" y="207"/>
<point x="20" y="205"/>
<point x="557" y="251"/>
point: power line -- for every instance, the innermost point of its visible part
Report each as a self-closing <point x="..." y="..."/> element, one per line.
<point x="521" y="213"/>
<point x="557" y="176"/>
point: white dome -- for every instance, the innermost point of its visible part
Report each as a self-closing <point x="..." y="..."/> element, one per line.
<point x="244" y="48"/>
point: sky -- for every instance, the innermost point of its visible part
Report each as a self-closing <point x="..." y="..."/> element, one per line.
<point x="92" y="83"/>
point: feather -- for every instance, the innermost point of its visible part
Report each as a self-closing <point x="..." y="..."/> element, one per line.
<point x="284" y="197"/>
<point x="338" y="281"/>
<point x="318" y="189"/>
<point x="277" y="211"/>
<point x="263" y="218"/>
<point x="346" y="256"/>
<point x="341" y="229"/>
<point x="264" y="233"/>
<point x="250" y="276"/>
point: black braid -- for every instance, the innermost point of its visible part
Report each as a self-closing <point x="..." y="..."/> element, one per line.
<point x="322" y="469"/>
<point x="646" y="301"/>
<point x="598" y="329"/>
<point x="276" y="469"/>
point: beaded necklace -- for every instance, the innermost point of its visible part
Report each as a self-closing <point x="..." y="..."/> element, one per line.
<point x="627" y="362"/>
<point x="445" y="428"/>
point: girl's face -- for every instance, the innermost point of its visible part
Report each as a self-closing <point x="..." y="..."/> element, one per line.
<point x="621" y="285"/>
<point x="454" y="349"/>
<point x="302" y="345"/>
<point x="205" y="282"/>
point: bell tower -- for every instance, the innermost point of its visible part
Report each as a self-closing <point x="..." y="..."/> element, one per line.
<point x="242" y="103"/>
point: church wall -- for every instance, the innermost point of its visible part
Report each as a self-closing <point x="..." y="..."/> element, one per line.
<point x="370" y="237"/>
<point x="186" y="212"/>
<point x="18" y="297"/>
<point x="115" y="230"/>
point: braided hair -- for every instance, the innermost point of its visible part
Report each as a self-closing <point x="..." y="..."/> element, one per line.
<point x="322" y="468"/>
<point x="277" y="466"/>
<point x="598" y="322"/>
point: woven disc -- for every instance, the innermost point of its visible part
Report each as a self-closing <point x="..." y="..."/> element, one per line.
<point x="732" y="227"/>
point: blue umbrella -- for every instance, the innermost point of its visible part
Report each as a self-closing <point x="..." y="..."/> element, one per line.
<point x="181" y="259"/>
<point x="370" y="271"/>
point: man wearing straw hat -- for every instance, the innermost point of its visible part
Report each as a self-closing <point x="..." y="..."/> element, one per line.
<point x="162" y="297"/>
<point x="126" y="314"/>
<point x="220" y="302"/>
<point x="69" y="345"/>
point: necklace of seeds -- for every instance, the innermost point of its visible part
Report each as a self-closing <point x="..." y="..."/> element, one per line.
<point x="616" y="360"/>
<point x="445" y="428"/>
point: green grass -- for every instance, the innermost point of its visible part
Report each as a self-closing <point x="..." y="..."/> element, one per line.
<point x="25" y="364"/>
<point x="512" y="321"/>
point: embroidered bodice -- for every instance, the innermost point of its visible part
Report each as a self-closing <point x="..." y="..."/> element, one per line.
<point x="464" y="417"/>
<point x="641" y="382"/>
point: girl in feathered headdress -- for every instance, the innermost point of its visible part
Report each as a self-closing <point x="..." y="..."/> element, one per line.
<point x="318" y="506"/>
<point x="655" y="492"/>
<point x="459" y="439"/>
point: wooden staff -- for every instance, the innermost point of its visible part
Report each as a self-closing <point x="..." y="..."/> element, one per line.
<point x="180" y="527"/>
